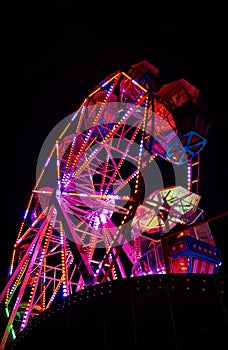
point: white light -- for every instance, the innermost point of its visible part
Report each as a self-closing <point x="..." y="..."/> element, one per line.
<point x="103" y="218"/>
<point x="48" y="160"/>
<point x="26" y="213"/>
<point x="74" y="116"/>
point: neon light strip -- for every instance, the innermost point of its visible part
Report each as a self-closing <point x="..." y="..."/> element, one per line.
<point x="18" y="269"/>
<point x="19" y="233"/>
<point x="57" y="163"/>
<point x="43" y="285"/>
<point x="37" y="276"/>
<point x="17" y="281"/>
<point x="189" y="176"/>
<point x="108" y="81"/>
<point x="69" y="157"/>
<point x="54" y="294"/>
<point x="31" y="227"/>
<point x="123" y="158"/>
<point x="42" y="192"/>
<point x="76" y="159"/>
<point x="134" y="82"/>
<point x="103" y="196"/>
<point x="102" y="104"/>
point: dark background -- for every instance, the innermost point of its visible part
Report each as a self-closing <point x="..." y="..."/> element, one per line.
<point x="54" y="54"/>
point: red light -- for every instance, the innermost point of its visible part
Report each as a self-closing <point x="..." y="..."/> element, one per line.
<point x="180" y="265"/>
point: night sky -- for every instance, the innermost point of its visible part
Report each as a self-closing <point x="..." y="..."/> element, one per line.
<point x="54" y="55"/>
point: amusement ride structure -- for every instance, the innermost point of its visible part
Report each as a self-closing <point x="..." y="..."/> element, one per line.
<point x="117" y="196"/>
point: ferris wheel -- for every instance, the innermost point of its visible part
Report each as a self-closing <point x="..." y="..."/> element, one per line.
<point x="112" y="178"/>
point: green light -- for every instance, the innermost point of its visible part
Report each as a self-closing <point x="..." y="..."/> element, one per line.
<point x="13" y="333"/>
<point x="11" y="328"/>
<point x="7" y="312"/>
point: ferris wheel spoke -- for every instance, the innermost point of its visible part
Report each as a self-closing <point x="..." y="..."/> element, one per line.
<point x="125" y="182"/>
<point x="118" y="167"/>
<point x="89" y="231"/>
